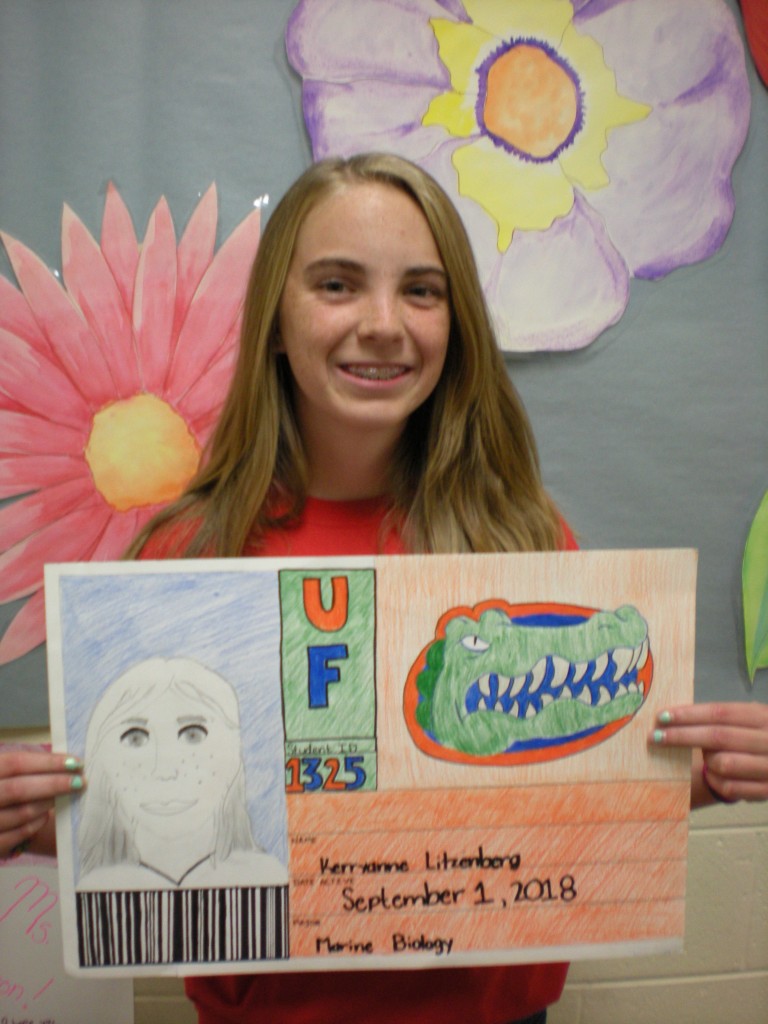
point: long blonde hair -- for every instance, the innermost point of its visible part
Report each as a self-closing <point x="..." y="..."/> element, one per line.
<point x="466" y="474"/>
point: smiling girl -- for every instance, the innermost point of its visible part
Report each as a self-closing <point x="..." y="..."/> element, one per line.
<point x="371" y="411"/>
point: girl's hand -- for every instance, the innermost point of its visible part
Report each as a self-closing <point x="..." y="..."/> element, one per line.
<point x="29" y="781"/>
<point x="731" y="749"/>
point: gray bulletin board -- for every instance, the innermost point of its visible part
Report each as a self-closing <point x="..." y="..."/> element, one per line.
<point x="653" y="436"/>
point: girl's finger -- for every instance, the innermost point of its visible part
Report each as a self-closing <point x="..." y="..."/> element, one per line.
<point x="712" y="737"/>
<point x="12" y="843"/>
<point x="26" y="789"/>
<point x="36" y="762"/>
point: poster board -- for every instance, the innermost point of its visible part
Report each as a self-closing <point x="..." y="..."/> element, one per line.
<point x="444" y="759"/>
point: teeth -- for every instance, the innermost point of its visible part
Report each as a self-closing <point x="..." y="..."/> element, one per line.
<point x="585" y="697"/>
<point x="547" y="699"/>
<point x="561" y="667"/>
<point x="643" y="656"/>
<point x="579" y="671"/>
<point x="530" y="711"/>
<point x="622" y="658"/>
<point x="633" y="688"/>
<point x="504" y="682"/>
<point x="516" y="686"/>
<point x="566" y="694"/>
<point x="376" y="372"/>
<point x="621" y="690"/>
<point x="601" y="664"/>
<point x="515" y="710"/>
<point x="484" y="684"/>
<point x="604" y="698"/>
<point x="539" y="671"/>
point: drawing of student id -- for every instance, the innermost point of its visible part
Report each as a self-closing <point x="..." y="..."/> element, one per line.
<point x="377" y="762"/>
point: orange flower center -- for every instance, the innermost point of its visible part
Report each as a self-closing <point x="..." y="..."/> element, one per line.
<point x="531" y="102"/>
<point x="140" y="452"/>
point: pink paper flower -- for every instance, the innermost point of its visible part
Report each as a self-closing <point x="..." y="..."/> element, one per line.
<point x="584" y="142"/>
<point x="109" y="387"/>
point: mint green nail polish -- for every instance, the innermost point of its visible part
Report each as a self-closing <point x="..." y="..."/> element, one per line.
<point x="658" y="735"/>
<point x="665" y="717"/>
<point x="76" y="782"/>
<point x="73" y="764"/>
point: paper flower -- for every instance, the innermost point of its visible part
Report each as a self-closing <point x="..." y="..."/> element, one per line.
<point x="584" y="143"/>
<point x="109" y="387"/>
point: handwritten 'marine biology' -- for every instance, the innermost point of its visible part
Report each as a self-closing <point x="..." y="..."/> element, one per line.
<point x="377" y="762"/>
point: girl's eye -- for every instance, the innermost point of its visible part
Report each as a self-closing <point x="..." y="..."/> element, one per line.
<point x="193" y="734"/>
<point x="134" y="737"/>
<point x="333" y="286"/>
<point x="475" y="643"/>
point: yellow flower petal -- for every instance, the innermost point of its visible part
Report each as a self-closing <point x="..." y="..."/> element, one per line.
<point x="507" y="19"/>
<point x="604" y="109"/>
<point x="514" y="193"/>
<point x="460" y="47"/>
<point x="452" y="111"/>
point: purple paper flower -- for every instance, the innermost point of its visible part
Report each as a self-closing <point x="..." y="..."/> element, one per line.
<point x="584" y="143"/>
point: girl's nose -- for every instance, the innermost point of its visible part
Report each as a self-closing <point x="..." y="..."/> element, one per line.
<point x="382" y="318"/>
<point x="166" y="763"/>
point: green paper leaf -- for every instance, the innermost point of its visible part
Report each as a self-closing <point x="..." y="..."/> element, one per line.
<point x="754" y="582"/>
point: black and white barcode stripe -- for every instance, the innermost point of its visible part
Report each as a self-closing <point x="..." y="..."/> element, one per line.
<point x="182" y="926"/>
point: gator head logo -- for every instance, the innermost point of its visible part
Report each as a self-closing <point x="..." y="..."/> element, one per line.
<point x="514" y="684"/>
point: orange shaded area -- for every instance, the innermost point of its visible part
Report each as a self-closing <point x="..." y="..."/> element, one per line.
<point x="532" y="867"/>
<point x="326" y="619"/>
<point x="530" y="102"/>
<point x="318" y="814"/>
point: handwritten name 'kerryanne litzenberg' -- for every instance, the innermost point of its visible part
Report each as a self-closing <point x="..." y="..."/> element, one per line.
<point x="442" y="861"/>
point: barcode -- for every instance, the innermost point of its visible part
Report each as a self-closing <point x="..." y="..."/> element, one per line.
<point x="182" y="926"/>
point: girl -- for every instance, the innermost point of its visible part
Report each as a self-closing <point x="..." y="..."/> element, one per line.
<point x="371" y="411"/>
<point x="166" y="805"/>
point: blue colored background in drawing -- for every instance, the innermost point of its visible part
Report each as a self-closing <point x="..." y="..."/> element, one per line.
<point x="230" y="622"/>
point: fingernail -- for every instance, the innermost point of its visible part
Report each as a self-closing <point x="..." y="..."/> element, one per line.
<point x="665" y="717"/>
<point x="73" y="764"/>
<point x="76" y="782"/>
<point x="658" y="735"/>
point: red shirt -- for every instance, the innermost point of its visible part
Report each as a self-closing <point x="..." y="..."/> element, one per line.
<point x="453" y="995"/>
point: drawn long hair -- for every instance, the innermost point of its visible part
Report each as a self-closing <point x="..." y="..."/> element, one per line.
<point x="106" y="833"/>
<point x="466" y="474"/>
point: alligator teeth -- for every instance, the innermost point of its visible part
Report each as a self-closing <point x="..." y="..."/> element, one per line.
<point x="516" y="686"/>
<point x="643" y="656"/>
<point x="579" y="671"/>
<point x="561" y="668"/>
<point x="621" y="658"/>
<point x="601" y="664"/>
<point x="538" y="673"/>
<point x="604" y="698"/>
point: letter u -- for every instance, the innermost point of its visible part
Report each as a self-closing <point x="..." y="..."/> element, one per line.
<point x="333" y="618"/>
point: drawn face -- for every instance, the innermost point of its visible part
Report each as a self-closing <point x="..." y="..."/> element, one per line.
<point x="365" y="315"/>
<point x="171" y="762"/>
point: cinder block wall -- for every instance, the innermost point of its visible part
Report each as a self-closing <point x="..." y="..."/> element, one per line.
<point x="721" y="976"/>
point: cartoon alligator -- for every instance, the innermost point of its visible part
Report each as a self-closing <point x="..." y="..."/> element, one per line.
<point x="496" y="683"/>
